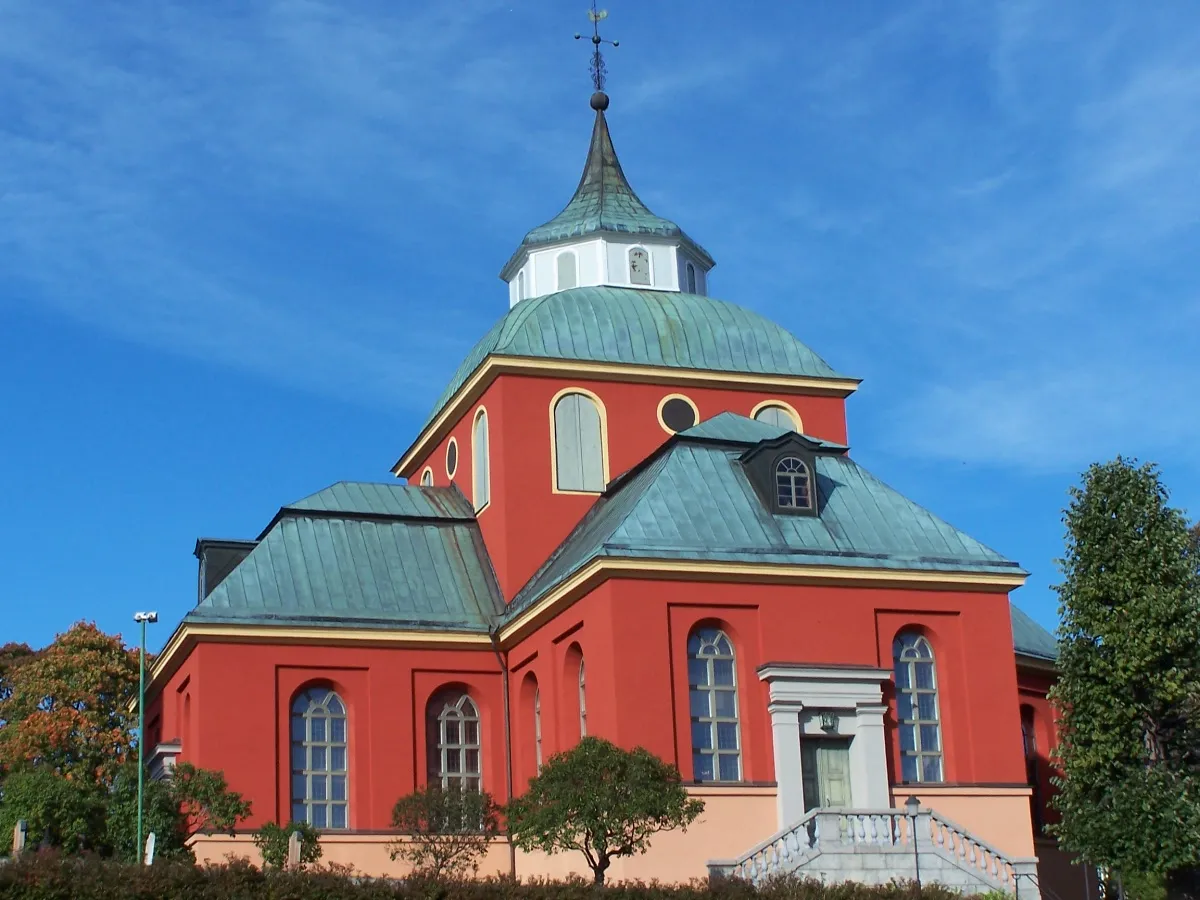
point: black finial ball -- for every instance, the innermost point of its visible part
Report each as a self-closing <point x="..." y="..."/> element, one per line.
<point x="599" y="101"/>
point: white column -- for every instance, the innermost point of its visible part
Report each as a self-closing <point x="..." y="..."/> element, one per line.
<point x="785" y="729"/>
<point x="868" y="759"/>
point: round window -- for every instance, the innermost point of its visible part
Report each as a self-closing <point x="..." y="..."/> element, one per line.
<point x="452" y="457"/>
<point x="678" y="414"/>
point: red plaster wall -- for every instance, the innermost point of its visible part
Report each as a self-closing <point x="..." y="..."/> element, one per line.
<point x="241" y="695"/>
<point x="526" y="520"/>
<point x="1033" y="686"/>
<point x="633" y="635"/>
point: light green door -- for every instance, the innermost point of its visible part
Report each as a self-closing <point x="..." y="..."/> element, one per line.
<point x="825" y="767"/>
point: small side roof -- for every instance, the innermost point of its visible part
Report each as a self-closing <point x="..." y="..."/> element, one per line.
<point x="693" y="501"/>
<point x="364" y="555"/>
<point x="1031" y="639"/>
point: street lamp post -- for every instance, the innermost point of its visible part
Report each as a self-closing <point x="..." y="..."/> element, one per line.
<point x="143" y="619"/>
<point x="913" y="806"/>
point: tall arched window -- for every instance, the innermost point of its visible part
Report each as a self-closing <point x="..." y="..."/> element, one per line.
<point x="452" y="723"/>
<point x="1029" y="741"/>
<point x="319" y="761"/>
<point x="578" y="444"/>
<point x="712" y="691"/>
<point x="582" y="703"/>
<point x="639" y="266"/>
<point x="481" y="481"/>
<point x="567" y="270"/>
<point x="779" y="416"/>
<point x="521" y="285"/>
<point x="691" y="278"/>
<point x="917" y="708"/>
<point x="537" y="727"/>
<point x="793" y="483"/>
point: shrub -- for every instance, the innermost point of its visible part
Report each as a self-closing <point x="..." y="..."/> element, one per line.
<point x="272" y="842"/>
<point x="448" y="830"/>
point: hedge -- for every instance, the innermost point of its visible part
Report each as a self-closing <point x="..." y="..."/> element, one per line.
<point x="48" y="876"/>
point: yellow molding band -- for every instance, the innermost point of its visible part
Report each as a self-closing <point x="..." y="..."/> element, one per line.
<point x="497" y="365"/>
<point x="658" y="569"/>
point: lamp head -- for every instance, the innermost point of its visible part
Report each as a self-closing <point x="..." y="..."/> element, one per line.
<point x="148" y="617"/>
<point x="912" y="806"/>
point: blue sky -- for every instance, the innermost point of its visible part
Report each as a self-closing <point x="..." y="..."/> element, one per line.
<point x="244" y="246"/>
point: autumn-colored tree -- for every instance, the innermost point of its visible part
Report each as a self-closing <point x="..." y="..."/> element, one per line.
<point x="12" y="657"/>
<point x="66" y="708"/>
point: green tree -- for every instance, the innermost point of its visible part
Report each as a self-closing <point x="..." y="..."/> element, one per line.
<point x="192" y="800"/>
<point x="60" y="811"/>
<point x="12" y="657"/>
<point x="66" y="708"/>
<point x="272" y="842"/>
<point x="448" y="830"/>
<point x="602" y="801"/>
<point x="1129" y="663"/>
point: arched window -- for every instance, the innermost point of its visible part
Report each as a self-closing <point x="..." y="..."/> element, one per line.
<point x="1029" y="741"/>
<point x="453" y="727"/>
<point x="691" y="278"/>
<point x="639" y="266"/>
<point x="793" y="485"/>
<point x="578" y="444"/>
<point x="427" y="477"/>
<point x="917" y="708"/>
<point x="712" y="692"/>
<point x="567" y="270"/>
<point x="582" y="703"/>
<point x="319" y="762"/>
<point x="521" y="285"/>
<point x="779" y="416"/>
<point x="480" y="477"/>
<point x="537" y="727"/>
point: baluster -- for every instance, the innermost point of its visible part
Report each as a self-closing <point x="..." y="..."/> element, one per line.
<point x="874" y="823"/>
<point x="971" y="847"/>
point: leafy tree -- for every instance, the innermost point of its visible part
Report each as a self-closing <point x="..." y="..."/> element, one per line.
<point x="601" y="800"/>
<point x="272" y="842"/>
<point x="67" y="706"/>
<point x="191" y="800"/>
<point x="12" y="657"/>
<point x="1129" y="680"/>
<point x="59" y="811"/>
<point x="449" y="830"/>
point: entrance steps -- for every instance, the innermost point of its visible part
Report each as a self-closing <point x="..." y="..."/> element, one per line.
<point x="877" y="846"/>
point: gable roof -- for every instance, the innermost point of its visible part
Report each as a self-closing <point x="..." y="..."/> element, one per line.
<point x="693" y="501"/>
<point x="728" y="427"/>
<point x="364" y="555"/>
<point x="603" y="201"/>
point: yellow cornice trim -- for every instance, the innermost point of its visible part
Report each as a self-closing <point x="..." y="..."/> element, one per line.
<point x="496" y="365"/>
<point x="772" y="573"/>
<point x="188" y="634"/>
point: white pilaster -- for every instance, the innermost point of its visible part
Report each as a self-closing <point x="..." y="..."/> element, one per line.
<point x="785" y="731"/>
<point x="868" y="758"/>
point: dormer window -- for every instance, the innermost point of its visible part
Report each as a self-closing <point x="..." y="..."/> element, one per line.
<point x="639" y="266"/>
<point x="521" y="285"/>
<point x="691" y="278"/>
<point x="793" y="487"/>
<point x="783" y="472"/>
<point x="567" y="270"/>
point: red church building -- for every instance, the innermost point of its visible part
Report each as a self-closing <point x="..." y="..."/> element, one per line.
<point x="632" y="513"/>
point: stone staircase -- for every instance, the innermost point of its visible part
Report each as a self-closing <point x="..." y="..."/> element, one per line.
<point x="876" y="846"/>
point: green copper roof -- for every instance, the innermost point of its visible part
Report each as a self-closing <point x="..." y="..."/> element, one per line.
<point x="1031" y="639"/>
<point x="642" y="327"/>
<point x="694" y="501"/>
<point x="604" y="201"/>
<point x="365" y="556"/>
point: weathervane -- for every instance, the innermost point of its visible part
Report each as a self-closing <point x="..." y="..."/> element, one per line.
<point x="598" y="69"/>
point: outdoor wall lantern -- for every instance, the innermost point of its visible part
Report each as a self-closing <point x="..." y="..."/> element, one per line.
<point x="828" y="721"/>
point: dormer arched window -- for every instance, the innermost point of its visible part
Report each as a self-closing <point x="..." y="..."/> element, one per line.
<point x="691" y="278"/>
<point x="568" y="270"/>
<point x="521" y="285"/>
<point x="639" y="266"/>
<point x="793" y="484"/>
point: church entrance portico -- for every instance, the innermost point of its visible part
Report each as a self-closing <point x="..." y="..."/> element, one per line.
<point x="828" y="735"/>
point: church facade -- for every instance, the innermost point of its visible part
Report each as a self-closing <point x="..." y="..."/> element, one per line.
<point x="632" y="513"/>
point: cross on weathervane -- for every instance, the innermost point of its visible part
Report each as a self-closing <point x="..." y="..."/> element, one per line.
<point x="598" y="69"/>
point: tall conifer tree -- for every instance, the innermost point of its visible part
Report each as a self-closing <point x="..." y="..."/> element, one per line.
<point x="1129" y="662"/>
